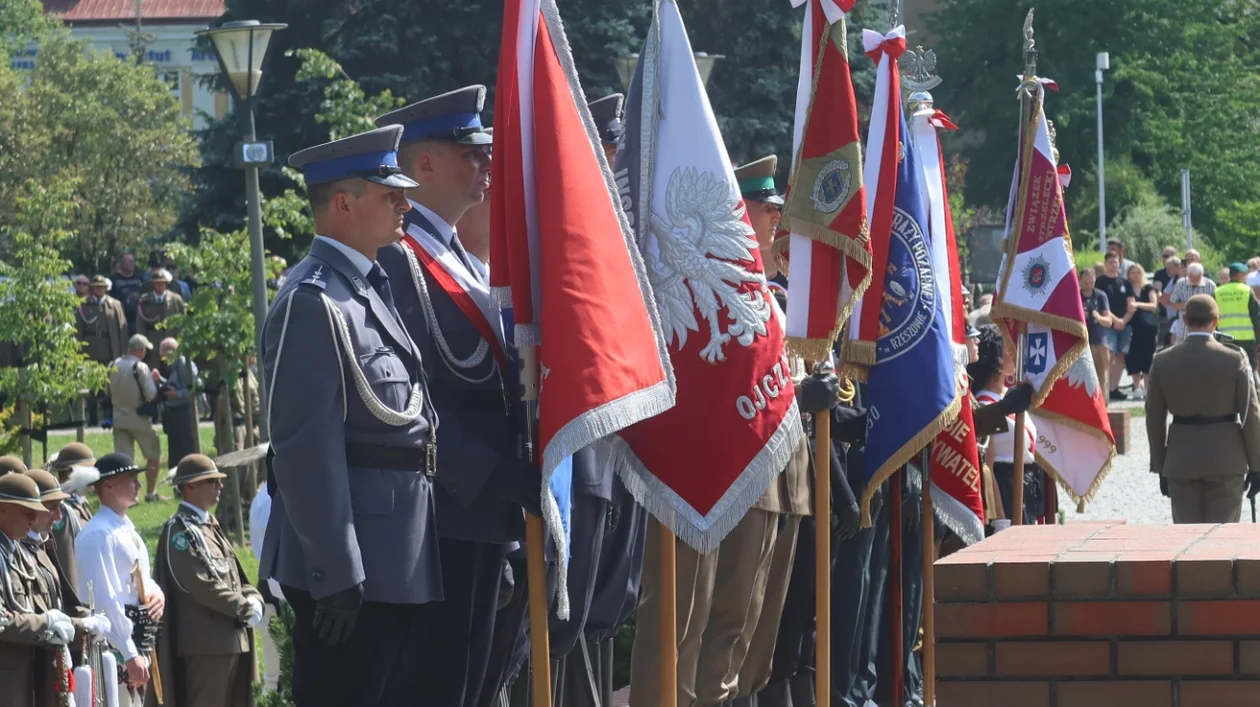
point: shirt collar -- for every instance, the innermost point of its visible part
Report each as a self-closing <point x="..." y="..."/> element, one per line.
<point x="205" y="517"/>
<point x="1204" y="334"/>
<point x="357" y="259"/>
<point x="113" y="518"/>
<point x="445" y="230"/>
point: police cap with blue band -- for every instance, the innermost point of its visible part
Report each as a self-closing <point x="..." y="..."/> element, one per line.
<point x="372" y="156"/>
<point x="451" y="117"/>
<point x="606" y="112"/>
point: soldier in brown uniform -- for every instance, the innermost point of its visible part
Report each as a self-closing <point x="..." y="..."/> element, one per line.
<point x="75" y="473"/>
<point x="211" y="607"/>
<point x="101" y="324"/>
<point x="34" y="660"/>
<point x="154" y="308"/>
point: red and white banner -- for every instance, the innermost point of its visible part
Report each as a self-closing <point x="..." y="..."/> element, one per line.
<point x="700" y="466"/>
<point x="884" y="144"/>
<point x="955" y="468"/>
<point x="827" y="242"/>
<point x="562" y="254"/>
<point x="1038" y="287"/>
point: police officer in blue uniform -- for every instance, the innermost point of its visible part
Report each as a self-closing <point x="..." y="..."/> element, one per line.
<point x="352" y="534"/>
<point x="483" y="483"/>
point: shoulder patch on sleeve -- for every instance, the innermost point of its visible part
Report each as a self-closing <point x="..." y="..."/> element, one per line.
<point x="179" y="541"/>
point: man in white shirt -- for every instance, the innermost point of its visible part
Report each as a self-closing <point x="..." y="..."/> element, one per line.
<point x="131" y="384"/>
<point x="112" y="557"/>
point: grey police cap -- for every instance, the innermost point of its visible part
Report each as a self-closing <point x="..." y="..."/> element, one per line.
<point x="606" y="112"/>
<point x="454" y="116"/>
<point x="372" y="156"/>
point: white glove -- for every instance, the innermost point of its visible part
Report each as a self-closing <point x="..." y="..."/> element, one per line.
<point x="60" y="629"/>
<point x="97" y="624"/>
<point x="256" y="612"/>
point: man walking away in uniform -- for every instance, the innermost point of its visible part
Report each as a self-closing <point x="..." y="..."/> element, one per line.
<point x="131" y="385"/>
<point x="113" y="559"/>
<point x="176" y="389"/>
<point x="1240" y="311"/>
<point x="1212" y="450"/>
<point x="208" y="639"/>
<point x="102" y="327"/>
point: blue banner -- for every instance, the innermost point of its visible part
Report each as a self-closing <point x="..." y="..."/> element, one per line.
<point x="911" y="391"/>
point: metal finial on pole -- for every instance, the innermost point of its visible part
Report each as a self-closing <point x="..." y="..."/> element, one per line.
<point x="1030" y="45"/>
<point x="894" y="15"/>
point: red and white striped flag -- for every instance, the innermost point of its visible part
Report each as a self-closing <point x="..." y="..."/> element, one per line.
<point x="1039" y="288"/>
<point x="827" y="241"/>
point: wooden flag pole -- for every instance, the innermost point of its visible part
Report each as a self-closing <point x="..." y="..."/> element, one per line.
<point x="669" y="618"/>
<point x="1026" y="94"/>
<point x="536" y="566"/>
<point x="1017" y="458"/>
<point x="929" y="583"/>
<point x="822" y="558"/>
<point x="894" y="580"/>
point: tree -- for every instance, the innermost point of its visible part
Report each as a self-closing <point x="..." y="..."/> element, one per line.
<point x="109" y="127"/>
<point x="1179" y="95"/>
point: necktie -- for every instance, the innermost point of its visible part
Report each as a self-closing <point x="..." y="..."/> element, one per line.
<point x="380" y="283"/>
<point x="463" y="256"/>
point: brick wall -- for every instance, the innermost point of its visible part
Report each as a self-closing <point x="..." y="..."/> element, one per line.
<point x="1102" y="614"/>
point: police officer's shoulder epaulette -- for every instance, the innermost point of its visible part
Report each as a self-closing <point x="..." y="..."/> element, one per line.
<point x="315" y="279"/>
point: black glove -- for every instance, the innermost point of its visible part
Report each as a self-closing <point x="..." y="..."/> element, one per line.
<point x="1163" y="484"/>
<point x="818" y="392"/>
<point x="520" y="482"/>
<point x="1253" y="483"/>
<point x="1017" y="400"/>
<point x="336" y="614"/>
<point x="848" y="424"/>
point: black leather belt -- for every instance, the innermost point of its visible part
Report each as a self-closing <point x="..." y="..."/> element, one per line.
<point x="393" y="458"/>
<point x="1204" y="419"/>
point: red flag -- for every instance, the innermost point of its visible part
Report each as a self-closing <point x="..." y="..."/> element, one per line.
<point x="562" y="254"/>
<point x="700" y="466"/>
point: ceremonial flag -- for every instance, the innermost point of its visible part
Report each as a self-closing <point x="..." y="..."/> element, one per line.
<point x="885" y="148"/>
<point x="828" y="247"/>
<point x="562" y="254"/>
<point x="912" y="389"/>
<point x="1038" y="287"/>
<point x="955" y="461"/>
<point x="700" y="466"/>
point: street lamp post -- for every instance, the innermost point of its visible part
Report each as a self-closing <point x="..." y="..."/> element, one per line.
<point x="240" y="47"/>
<point x="1103" y="64"/>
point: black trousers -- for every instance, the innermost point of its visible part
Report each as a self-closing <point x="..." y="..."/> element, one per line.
<point x="376" y="667"/>
<point x="181" y="431"/>
<point x="463" y="633"/>
<point x="880" y="669"/>
<point x="509" y="624"/>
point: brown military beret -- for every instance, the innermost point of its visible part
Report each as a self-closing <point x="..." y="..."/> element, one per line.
<point x="20" y="490"/>
<point x="49" y="487"/>
<point x="196" y="467"/>
<point x="10" y="464"/>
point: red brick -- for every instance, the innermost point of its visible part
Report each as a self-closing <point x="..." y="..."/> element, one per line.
<point x="1204" y="578"/>
<point x="1218" y="618"/>
<point x="1072" y="578"/>
<point x="1021" y="580"/>
<point x="1143" y="577"/>
<point x="1249" y="658"/>
<point x="991" y="620"/>
<point x="1158" y="658"/>
<point x="962" y="581"/>
<point x="993" y="694"/>
<point x="962" y="660"/>
<point x="1045" y="659"/>
<point x="1112" y="618"/>
<point x="1247" y="570"/>
<point x="1147" y="693"/>
<point x="1220" y="693"/>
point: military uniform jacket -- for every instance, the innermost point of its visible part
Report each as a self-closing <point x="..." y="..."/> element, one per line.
<point x="75" y="513"/>
<point x="1200" y="377"/>
<point x="207" y="600"/>
<point x="28" y="670"/>
<point x="152" y="313"/>
<point x="477" y="404"/>
<point x="102" y="327"/>
<point x="342" y="370"/>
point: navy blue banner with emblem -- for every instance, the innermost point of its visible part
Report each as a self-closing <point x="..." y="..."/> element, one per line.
<point x="911" y="389"/>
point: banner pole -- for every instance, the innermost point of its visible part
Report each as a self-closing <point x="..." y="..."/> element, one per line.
<point x="822" y="558"/>
<point x="929" y="583"/>
<point x="536" y="565"/>
<point x="895" y="604"/>
<point x="668" y="618"/>
<point x="1017" y="454"/>
<point x="1026" y="94"/>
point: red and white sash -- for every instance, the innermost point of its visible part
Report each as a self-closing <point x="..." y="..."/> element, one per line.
<point x="445" y="269"/>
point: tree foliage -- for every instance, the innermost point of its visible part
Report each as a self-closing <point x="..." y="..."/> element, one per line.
<point x="1180" y="94"/>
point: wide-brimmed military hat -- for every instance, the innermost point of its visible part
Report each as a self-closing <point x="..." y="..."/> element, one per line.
<point x="49" y="487"/>
<point x="20" y="490"/>
<point x="10" y="464"/>
<point x="99" y="281"/>
<point x="115" y="464"/>
<point x="195" y="467"/>
<point x="454" y="116"/>
<point x="372" y="156"/>
<point x="606" y="112"/>
<point x="73" y="454"/>
<point x="159" y="275"/>
<point x="756" y="180"/>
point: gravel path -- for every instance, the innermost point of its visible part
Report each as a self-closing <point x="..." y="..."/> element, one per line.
<point x="1130" y="491"/>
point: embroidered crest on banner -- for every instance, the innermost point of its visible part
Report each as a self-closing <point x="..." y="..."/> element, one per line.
<point x="909" y="292"/>
<point x="1036" y="275"/>
<point x="1037" y="352"/>
<point x="831" y="188"/>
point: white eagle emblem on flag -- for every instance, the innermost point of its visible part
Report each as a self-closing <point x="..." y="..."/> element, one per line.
<point x="703" y="244"/>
